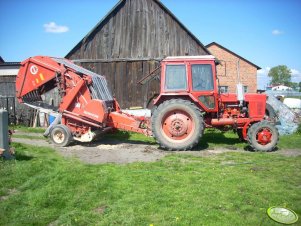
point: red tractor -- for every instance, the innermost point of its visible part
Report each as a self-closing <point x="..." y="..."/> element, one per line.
<point x="188" y="102"/>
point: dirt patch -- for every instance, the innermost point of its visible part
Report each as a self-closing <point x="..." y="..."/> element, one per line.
<point x="35" y="142"/>
<point x="101" y="209"/>
<point x="10" y="193"/>
<point x="124" y="152"/>
<point x="113" y="152"/>
<point x="289" y="152"/>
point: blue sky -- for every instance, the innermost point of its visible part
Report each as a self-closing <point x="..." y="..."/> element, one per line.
<point x="266" y="32"/>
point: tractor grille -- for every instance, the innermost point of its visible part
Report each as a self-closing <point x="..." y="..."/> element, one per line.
<point x="99" y="88"/>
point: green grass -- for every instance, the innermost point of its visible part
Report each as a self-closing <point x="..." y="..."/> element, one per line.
<point x="40" y="187"/>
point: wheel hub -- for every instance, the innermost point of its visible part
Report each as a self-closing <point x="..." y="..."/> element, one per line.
<point x="264" y="136"/>
<point x="58" y="137"/>
<point x="177" y="125"/>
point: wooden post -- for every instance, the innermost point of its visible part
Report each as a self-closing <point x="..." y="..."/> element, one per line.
<point x="4" y="147"/>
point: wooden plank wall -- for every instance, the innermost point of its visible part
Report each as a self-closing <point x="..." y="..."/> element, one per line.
<point x="122" y="79"/>
<point x="137" y="29"/>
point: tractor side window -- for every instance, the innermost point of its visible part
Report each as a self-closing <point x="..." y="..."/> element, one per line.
<point x="175" y="77"/>
<point x="202" y="77"/>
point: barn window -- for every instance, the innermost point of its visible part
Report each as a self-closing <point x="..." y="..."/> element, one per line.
<point x="175" y="77"/>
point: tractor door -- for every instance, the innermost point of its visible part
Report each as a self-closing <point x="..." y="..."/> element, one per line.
<point x="203" y="84"/>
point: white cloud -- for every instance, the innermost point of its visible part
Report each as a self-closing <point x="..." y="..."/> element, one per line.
<point x="52" y="27"/>
<point x="295" y="72"/>
<point x="277" y="32"/>
<point x="263" y="80"/>
<point x="263" y="71"/>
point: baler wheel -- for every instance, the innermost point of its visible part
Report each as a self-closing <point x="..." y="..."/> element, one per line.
<point x="177" y="125"/>
<point x="61" y="135"/>
<point x="263" y="136"/>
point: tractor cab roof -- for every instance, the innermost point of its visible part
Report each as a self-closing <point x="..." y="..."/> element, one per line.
<point x="189" y="58"/>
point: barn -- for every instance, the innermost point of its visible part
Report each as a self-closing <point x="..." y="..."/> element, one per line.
<point x="128" y="44"/>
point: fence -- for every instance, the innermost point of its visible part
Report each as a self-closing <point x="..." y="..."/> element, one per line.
<point x="283" y="93"/>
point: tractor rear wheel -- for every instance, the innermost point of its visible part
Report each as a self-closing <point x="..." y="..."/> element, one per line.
<point x="177" y="125"/>
<point x="61" y="135"/>
<point x="263" y="136"/>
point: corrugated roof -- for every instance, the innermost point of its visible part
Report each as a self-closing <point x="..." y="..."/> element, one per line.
<point x="224" y="48"/>
<point x="10" y="64"/>
<point x="116" y="8"/>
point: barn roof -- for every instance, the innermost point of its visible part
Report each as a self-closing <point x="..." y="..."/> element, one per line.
<point x="224" y="48"/>
<point x="116" y="8"/>
<point x="4" y="64"/>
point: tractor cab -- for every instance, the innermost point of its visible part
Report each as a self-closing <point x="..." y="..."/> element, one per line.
<point x="191" y="77"/>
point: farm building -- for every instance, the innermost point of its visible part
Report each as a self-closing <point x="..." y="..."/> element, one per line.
<point x="128" y="44"/>
<point x="234" y="68"/>
<point x="281" y="88"/>
<point x="8" y="73"/>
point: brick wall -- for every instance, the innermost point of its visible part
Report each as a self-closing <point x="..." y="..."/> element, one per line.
<point x="227" y="71"/>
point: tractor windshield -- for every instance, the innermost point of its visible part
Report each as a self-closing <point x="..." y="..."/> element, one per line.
<point x="175" y="77"/>
<point x="202" y="77"/>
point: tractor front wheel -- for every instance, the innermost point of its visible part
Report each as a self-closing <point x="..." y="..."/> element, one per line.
<point x="263" y="136"/>
<point x="61" y="135"/>
<point x="177" y="125"/>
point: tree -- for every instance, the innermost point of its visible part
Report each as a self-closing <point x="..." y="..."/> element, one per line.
<point x="294" y="85"/>
<point x="280" y="74"/>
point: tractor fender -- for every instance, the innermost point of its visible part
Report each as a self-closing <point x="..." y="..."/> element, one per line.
<point x="166" y="96"/>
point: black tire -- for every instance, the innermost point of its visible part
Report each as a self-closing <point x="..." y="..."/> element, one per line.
<point x="186" y="125"/>
<point x="257" y="138"/>
<point x="60" y="135"/>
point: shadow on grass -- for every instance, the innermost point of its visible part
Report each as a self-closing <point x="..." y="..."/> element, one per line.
<point x="217" y="138"/>
<point x="250" y="149"/>
<point x="22" y="157"/>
